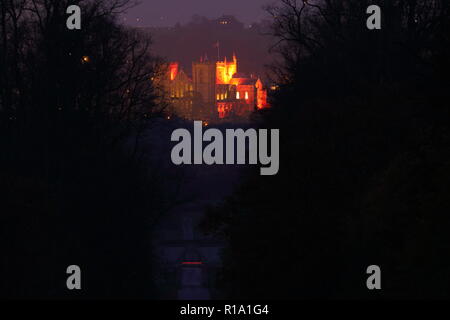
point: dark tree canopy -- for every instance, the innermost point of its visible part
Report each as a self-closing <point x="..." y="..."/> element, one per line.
<point x="71" y="190"/>
<point x="364" y="175"/>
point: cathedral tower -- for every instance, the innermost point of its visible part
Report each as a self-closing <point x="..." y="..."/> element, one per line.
<point x="204" y="78"/>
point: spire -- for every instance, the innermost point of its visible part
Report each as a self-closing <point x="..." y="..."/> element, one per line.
<point x="234" y="57"/>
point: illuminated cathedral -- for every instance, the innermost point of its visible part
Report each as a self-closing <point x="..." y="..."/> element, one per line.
<point x="216" y="91"/>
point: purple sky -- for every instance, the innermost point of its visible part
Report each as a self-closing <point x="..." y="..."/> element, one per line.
<point x="169" y="12"/>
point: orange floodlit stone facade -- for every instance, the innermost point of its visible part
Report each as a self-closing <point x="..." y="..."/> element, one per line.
<point x="216" y="90"/>
<point x="173" y="70"/>
<point x="226" y="70"/>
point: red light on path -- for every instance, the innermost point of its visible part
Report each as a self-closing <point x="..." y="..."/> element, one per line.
<point x="192" y="262"/>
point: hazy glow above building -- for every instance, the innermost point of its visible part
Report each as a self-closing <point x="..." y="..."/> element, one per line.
<point x="166" y="13"/>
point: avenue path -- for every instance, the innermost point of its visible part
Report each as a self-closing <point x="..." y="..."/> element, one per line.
<point x="187" y="260"/>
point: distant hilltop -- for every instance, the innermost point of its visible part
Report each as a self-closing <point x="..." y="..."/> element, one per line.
<point x="184" y="43"/>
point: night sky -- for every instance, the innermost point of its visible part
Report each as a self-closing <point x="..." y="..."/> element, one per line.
<point x="169" y="12"/>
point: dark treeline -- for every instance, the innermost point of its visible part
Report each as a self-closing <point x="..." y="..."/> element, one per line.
<point x="364" y="167"/>
<point x="72" y="188"/>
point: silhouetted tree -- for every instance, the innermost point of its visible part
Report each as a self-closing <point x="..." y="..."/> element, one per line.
<point x="73" y="187"/>
<point x="364" y="170"/>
